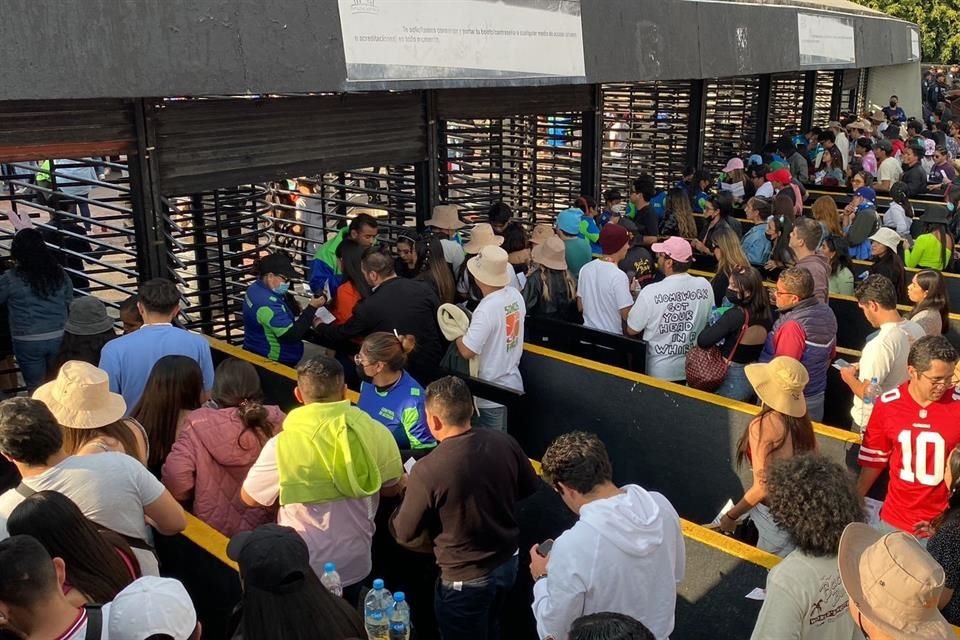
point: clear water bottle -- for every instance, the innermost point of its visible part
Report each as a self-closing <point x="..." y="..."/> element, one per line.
<point x="376" y="610"/>
<point x="331" y="579"/>
<point x="870" y="395"/>
<point x="400" y="617"/>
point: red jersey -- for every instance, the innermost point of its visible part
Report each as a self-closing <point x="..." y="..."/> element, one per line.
<point x="914" y="442"/>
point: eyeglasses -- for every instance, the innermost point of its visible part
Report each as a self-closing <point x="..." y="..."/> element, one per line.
<point x="939" y="382"/>
<point x="783" y="293"/>
<point x="357" y="359"/>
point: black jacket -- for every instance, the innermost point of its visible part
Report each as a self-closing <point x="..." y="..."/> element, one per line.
<point x="916" y="180"/>
<point x="401" y="305"/>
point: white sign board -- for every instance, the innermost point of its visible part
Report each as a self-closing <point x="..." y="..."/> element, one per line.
<point x="461" y="39"/>
<point x="914" y="45"/>
<point x="825" y="40"/>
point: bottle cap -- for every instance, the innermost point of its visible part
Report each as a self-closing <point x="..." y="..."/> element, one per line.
<point x="329" y="567"/>
<point x="399" y="596"/>
<point x="378" y="584"/>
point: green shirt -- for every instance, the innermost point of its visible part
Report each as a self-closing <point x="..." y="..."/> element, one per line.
<point x="927" y="253"/>
<point x="578" y="253"/>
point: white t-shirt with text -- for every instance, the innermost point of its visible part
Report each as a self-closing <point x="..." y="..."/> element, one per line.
<point x="669" y="315"/>
<point x="496" y="336"/>
<point x="604" y="290"/>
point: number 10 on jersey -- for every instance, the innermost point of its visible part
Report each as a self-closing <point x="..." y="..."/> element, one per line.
<point x="916" y="465"/>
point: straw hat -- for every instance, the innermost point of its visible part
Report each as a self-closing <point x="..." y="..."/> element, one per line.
<point x="481" y="236"/>
<point x="779" y="385"/>
<point x="80" y="397"/>
<point x="445" y="216"/>
<point x="491" y="266"/>
<point x="551" y="254"/>
<point x="894" y="582"/>
<point x="541" y="233"/>
<point x="887" y="237"/>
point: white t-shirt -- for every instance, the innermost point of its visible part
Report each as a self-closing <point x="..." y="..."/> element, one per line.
<point x="496" y="336"/>
<point x="452" y="253"/>
<point x="110" y="488"/>
<point x="885" y="358"/>
<point x="765" y="190"/>
<point x="805" y="600"/>
<point x="340" y="531"/>
<point x="896" y="218"/>
<point x="604" y="289"/>
<point x="669" y="315"/>
<point x="890" y="170"/>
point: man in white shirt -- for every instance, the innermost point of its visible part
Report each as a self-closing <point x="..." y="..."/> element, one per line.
<point x="495" y="334"/>
<point x="603" y="291"/>
<point x="112" y="489"/>
<point x="885" y="356"/>
<point x="624" y="555"/>
<point x="888" y="169"/>
<point x="670" y="314"/>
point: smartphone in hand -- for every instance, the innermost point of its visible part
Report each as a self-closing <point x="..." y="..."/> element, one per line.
<point x="543" y="549"/>
<point x="840" y="363"/>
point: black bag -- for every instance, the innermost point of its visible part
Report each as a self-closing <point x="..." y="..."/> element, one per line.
<point x="94" y="622"/>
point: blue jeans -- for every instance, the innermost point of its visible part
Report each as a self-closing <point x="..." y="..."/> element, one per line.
<point x="35" y="357"/>
<point x="471" y="610"/>
<point x="815" y="406"/>
<point x="736" y="386"/>
<point x="493" y="418"/>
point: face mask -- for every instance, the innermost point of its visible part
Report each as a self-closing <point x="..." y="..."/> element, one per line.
<point x="282" y="288"/>
<point x="734" y="296"/>
<point x="893" y="103"/>
<point x="364" y="377"/>
<point x="951" y="206"/>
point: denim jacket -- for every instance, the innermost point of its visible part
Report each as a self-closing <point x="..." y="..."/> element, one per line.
<point x="33" y="317"/>
<point x="757" y="245"/>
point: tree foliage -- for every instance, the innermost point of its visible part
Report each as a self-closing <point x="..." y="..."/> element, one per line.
<point x="939" y="22"/>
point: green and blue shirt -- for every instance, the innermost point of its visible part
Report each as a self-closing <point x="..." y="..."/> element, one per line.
<point x="400" y="409"/>
<point x="267" y="317"/>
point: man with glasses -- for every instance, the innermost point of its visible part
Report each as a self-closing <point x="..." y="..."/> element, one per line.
<point x="943" y="172"/>
<point x="912" y="430"/>
<point x="806" y="331"/>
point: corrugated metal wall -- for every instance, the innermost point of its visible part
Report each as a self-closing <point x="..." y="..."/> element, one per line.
<point x="208" y="144"/>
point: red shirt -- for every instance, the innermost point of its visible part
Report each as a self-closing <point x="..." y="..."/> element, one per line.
<point x="915" y="442"/>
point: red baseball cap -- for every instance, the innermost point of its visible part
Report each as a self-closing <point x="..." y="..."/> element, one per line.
<point x="780" y="175"/>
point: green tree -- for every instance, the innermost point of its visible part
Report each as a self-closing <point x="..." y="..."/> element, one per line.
<point x="939" y="22"/>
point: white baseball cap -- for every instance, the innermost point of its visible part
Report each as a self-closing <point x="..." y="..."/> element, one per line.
<point x="152" y="606"/>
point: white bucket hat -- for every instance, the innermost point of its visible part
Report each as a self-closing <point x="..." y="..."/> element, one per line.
<point x="491" y="267"/>
<point x="80" y="397"/>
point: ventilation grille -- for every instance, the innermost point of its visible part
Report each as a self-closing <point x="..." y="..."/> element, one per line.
<point x="730" y="120"/>
<point x="786" y="104"/>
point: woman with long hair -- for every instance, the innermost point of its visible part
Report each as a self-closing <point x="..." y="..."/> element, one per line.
<point x="99" y="564"/>
<point x="389" y="393"/>
<point x="730" y="258"/>
<point x="87" y="330"/>
<point x="283" y="599"/>
<point x="755" y="243"/>
<point x="813" y="499"/>
<point x="835" y="249"/>
<point x="931" y="303"/>
<point x="353" y="288"/>
<point x="174" y="388"/>
<point x="409" y="254"/>
<point x="550" y="290"/>
<point x="90" y="415"/>
<point x="678" y="217"/>
<point x="933" y="249"/>
<point x="780" y="431"/>
<point x="825" y="212"/>
<point x="37" y="293"/>
<point x="218" y="444"/>
<point x="887" y="262"/>
<point x="778" y="230"/>
<point x="944" y="542"/>
<point x="718" y="211"/>
<point x="899" y="213"/>
<point x="747" y="321"/>
<point x="435" y="271"/>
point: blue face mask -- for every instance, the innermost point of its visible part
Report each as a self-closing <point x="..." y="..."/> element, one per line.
<point x="951" y="206"/>
<point x="281" y="289"/>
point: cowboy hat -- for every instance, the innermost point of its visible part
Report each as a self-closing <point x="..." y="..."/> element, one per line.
<point x="445" y="216"/>
<point x="491" y="266"/>
<point x="893" y="582"/>
<point x="551" y="254"/>
<point x="481" y="236"/>
<point x="779" y="385"/>
<point x="80" y="397"/>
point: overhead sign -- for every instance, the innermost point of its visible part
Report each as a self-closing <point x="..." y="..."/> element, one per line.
<point x="825" y="40"/>
<point x="914" y="45"/>
<point x="461" y="39"/>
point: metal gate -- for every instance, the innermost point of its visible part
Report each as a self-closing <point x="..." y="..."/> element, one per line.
<point x="787" y="104"/>
<point x="825" y="89"/>
<point x="646" y="128"/>
<point x="730" y="121"/>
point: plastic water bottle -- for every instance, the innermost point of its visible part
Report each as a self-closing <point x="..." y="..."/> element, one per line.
<point x="870" y="395"/>
<point x="376" y="612"/>
<point x="400" y="617"/>
<point x="331" y="579"/>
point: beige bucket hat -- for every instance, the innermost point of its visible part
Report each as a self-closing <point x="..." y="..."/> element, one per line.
<point x="541" y="233"/>
<point x="491" y="266"/>
<point x="481" y="236"/>
<point x="80" y="397"/>
<point x="551" y="254"/>
<point x="445" y="216"/>
<point x="779" y="385"/>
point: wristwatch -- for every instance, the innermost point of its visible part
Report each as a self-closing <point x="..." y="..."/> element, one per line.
<point x="542" y="575"/>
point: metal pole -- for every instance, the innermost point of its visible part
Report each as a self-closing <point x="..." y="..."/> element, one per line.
<point x="590" y="147"/>
<point x="698" y="106"/>
<point x="763" y="112"/>
<point x="145" y="198"/>
<point x="809" y="100"/>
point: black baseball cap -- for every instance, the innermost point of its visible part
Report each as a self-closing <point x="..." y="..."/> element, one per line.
<point x="272" y="558"/>
<point x="278" y="264"/>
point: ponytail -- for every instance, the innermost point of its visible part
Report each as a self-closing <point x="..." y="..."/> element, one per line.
<point x="389" y="348"/>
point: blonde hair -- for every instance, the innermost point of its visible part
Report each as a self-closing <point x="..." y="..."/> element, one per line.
<point x="825" y="211"/>
<point x="732" y="256"/>
<point x="568" y="281"/>
<point x="678" y="202"/>
<point x="389" y="348"/>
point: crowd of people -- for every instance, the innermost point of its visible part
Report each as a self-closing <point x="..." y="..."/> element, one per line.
<point x="725" y="278"/>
